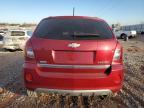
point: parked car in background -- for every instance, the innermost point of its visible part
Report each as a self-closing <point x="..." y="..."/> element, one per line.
<point x="16" y="39"/>
<point x="73" y="55"/>
<point x="121" y="33"/>
<point x="139" y="28"/>
<point x="1" y="40"/>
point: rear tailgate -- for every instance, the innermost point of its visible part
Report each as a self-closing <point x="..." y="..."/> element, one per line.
<point x="58" y="51"/>
<point x="98" y="52"/>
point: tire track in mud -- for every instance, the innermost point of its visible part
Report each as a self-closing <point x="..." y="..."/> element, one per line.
<point x="10" y="67"/>
<point x="9" y="76"/>
<point x="119" y="101"/>
<point x="128" y="100"/>
<point x="133" y="89"/>
<point x="9" y="100"/>
<point x="8" y="95"/>
<point x="137" y="74"/>
<point x="135" y="83"/>
<point x="133" y="99"/>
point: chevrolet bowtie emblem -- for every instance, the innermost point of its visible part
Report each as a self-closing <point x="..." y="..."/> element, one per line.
<point x="73" y="45"/>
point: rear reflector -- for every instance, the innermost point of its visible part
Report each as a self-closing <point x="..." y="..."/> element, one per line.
<point x="28" y="77"/>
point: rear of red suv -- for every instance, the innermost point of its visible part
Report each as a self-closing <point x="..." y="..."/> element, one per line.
<point x="73" y="55"/>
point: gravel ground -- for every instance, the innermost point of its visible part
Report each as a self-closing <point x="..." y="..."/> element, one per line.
<point x="13" y="94"/>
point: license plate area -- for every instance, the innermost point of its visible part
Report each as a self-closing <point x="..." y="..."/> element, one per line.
<point x="73" y="57"/>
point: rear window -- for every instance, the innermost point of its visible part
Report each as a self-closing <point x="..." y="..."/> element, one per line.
<point x="17" y="33"/>
<point x="73" y="29"/>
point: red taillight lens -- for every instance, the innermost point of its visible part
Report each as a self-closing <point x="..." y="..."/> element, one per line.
<point x="28" y="77"/>
<point x="29" y="52"/>
<point x="117" y="54"/>
<point x="117" y="58"/>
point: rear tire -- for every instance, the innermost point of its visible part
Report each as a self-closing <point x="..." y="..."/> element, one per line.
<point x="126" y="38"/>
<point x="122" y="36"/>
<point x="142" y="32"/>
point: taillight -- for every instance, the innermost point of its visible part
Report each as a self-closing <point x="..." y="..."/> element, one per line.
<point x="30" y="53"/>
<point x="28" y="77"/>
<point x="117" y="58"/>
<point x="117" y="54"/>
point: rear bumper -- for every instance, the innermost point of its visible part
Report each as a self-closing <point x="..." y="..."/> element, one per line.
<point x="75" y="92"/>
<point x="73" y="66"/>
<point x="77" y="82"/>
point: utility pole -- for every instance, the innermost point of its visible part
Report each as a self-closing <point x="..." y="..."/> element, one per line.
<point x="73" y="11"/>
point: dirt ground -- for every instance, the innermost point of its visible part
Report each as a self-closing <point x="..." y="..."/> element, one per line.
<point x="13" y="93"/>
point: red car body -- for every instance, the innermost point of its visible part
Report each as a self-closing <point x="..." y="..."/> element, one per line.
<point x="82" y="65"/>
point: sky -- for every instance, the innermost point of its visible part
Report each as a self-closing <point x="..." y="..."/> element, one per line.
<point x="125" y="12"/>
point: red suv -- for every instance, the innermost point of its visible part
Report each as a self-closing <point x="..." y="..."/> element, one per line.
<point x="73" y="55"/>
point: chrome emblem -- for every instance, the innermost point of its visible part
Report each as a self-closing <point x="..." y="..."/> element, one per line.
<point x="73" y="45"/>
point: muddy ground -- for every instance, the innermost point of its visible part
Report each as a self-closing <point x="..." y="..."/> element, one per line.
<point x="13" y="94"/>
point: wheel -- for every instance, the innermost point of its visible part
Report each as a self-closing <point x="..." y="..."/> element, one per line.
<point x="31" y="93"/>
<point x="142" y="32"/>
<point x="122" y="36"/>
<point x="126" y="37"/>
